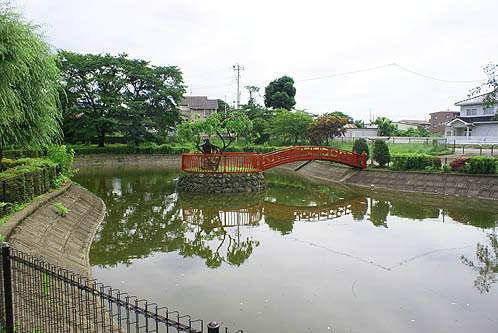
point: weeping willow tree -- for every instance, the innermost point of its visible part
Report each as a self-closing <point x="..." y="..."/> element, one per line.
<point x="29" y="84"/>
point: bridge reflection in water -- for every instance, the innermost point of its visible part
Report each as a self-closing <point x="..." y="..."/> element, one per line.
<point x="216" y="216"/>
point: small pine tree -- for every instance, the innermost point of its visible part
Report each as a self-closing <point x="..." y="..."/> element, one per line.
<point x="381" y="152"/>
<point x="361" y="146"/>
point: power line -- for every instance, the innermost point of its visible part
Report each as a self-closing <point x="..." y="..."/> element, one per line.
<point x="344" y="73"/>
<point x="435" y="78"/>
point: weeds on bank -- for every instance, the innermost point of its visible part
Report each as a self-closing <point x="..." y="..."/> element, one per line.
<point x="61" y="209"/>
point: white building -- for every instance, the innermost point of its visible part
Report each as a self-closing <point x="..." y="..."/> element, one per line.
<point x="475" y="124"/>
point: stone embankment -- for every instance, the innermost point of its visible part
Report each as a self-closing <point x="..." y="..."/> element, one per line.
<point x="222" y="183"/>
<point x="476" y="186"/>
<point x="173" y="161"/>
<point x="65" y="241"/>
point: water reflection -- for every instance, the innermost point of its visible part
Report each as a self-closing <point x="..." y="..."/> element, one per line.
<point x="486" y="264"/>
<point x="146" y="215"/>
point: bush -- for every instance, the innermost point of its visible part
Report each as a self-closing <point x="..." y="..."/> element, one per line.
<point x="458" y="165"/>
<point x="381" y="152"/>
<point x="63" y="157"/>
<point x="361" y="146"/>
<point x="483" y="165"/>
<point x="7" y="163"/>
<point x="411" y="161"/>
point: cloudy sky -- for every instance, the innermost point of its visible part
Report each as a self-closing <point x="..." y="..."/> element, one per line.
<point x="343" y="55"/>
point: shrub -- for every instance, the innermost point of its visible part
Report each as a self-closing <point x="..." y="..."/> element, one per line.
<point x="436" y="162"/>
<point x="381" y="152"/>
<point x="409" y="161"/>
<point x="6" y="163"/>
<point x="484" y="165"/>
<point x="458" y="165"/>
<point x="62" y="156"/>
<point x="361" y="146"/>
<point x="446" y="168"/>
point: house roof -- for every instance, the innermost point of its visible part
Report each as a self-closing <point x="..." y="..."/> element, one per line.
<point x="472" y="100"/>
<point x="350" y="126"/>
<point x="414" y="122"/>
<point x="447" y="111"/>
<point x="472" y="120"/>
<point x="199" y="102"/>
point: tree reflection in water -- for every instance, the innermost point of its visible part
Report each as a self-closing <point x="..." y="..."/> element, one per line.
<point x="486" y="265"/>
<point x="146" y="215"/>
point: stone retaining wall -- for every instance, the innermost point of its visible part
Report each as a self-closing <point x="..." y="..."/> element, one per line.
<point x="135" y="160"/>
<point x="477" y="186"/>
<point x="222" y="183"/>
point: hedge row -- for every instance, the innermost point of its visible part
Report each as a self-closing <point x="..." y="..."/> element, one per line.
<point x="409" y="161"/>
<point x="165" y="149"/>
<point x="22" y="184"/>
<point x="482" y="165"/>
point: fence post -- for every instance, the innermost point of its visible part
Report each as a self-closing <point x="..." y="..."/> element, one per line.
<point x="213" y="327"/>
<point x="7" y="289"/>
<point x="463" y="149"/>
<point x="454" y="146"/>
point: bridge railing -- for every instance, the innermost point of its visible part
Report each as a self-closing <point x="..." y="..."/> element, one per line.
<point x="222" y="163"/>
<point x="294" y="154"/>
<point x="252" y="162"/>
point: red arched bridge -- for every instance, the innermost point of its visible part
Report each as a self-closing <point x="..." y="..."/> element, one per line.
<point x="253" y="162"/>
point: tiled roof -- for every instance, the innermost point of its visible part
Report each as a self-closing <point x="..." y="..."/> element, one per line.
<point x="418" y="122"/>
<point x="199" y="102"/>
<point x="471" y="120"/>
<point x="472" y="100"/>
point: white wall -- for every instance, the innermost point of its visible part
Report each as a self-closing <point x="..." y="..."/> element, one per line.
<point x="360" y="132"/>
<point x="479" y="110"/>
<point x="485" y="130"/>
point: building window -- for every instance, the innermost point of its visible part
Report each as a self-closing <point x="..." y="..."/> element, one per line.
<point x="471" y="112"/>
<point x="447" y="116"/>
<point x="435" y="117"/>
<point x="207" y="113"/>
<point x="435" y="125"/>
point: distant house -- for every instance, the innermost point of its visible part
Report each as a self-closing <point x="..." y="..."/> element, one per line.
<point x="474" y="124"/>
<point x="197" y="107"/>
<point x="439" y="120"/>
<point x="352" y="132"/>
<point x="406" y="124"/>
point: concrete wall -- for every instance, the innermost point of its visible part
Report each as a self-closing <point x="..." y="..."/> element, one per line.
<point x="484" y="187"/>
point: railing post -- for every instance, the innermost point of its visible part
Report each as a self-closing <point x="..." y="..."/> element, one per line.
<point x="213" y="327"/>
<point x="7" y="289"/>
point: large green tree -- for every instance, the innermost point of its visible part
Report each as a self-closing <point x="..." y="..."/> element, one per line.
<point x="280" y="93"/>
<point x="290" y="125"/>
<point x="227" y="126"/>
<point x="29" y="81"/>
<point x="107" y="94"/>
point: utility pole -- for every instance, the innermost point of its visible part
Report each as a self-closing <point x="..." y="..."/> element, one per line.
<point x="238" y="69"/>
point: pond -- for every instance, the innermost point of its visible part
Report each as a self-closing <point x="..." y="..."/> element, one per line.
<point x="300" y="257"/>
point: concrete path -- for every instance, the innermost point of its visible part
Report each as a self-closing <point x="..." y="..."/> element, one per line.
<point x="65" y="241"/>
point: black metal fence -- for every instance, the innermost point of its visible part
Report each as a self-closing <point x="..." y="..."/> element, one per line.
<point x="39" y="297"/>
<point x="26" y="186"/>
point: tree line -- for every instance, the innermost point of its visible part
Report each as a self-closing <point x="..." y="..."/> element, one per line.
<point x="47" y="94"/>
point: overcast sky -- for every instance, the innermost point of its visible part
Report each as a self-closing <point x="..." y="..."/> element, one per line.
<point x="448" y="40"/>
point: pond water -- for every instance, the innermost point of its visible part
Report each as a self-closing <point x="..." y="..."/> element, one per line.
<point x="301" y="257"/>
